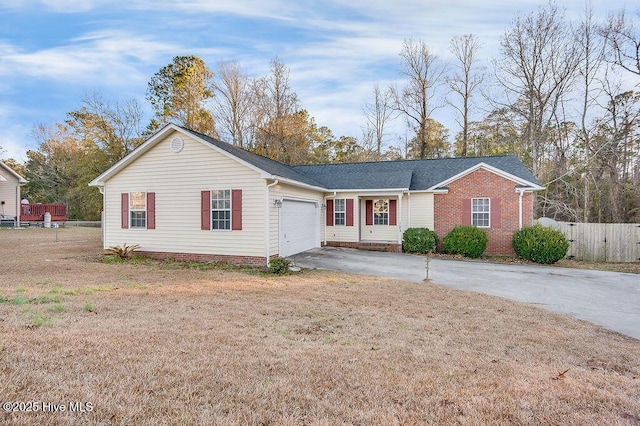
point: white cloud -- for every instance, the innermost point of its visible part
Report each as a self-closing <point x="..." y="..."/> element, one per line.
<point x="336" y="50"/>
<point x="59" y="6"/>
<point x="104" y="57"/>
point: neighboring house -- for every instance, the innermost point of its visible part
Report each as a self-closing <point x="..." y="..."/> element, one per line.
<point x="185" y="195"/>
<point x="10" y="183"/>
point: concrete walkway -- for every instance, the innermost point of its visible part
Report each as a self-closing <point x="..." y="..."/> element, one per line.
<point x="610" y="299"/>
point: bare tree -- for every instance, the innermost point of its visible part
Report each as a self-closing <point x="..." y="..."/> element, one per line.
<point x="464" y="83"/>
<point x="539" y="61"/>
<point x="233" y="108"/>
<point x="377" y="113"/>
<point x="277" y="98"/>
<point x="617" y="145"/>
<point x="282" y="128"/>
<point x="116" y="125"/>
<point x="623" y="39"/>
<point x="416" y="100"/>
<point x="589" y="69"/>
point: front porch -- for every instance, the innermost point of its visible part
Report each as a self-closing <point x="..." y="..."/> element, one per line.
<point x="372" y="221"/>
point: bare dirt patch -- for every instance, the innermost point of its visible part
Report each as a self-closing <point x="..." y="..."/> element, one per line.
<point x="145" y="343"/>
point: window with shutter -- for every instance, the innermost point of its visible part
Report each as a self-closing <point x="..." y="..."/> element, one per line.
<point x="481" y="212"/>
<point x="221" y="209"/>
<point x="339" y="212"/>
<point x="137" y="210"/>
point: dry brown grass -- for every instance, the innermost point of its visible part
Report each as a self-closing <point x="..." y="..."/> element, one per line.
<point x="149" y="344"/>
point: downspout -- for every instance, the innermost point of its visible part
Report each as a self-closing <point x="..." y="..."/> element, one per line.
<point x="325" y="220"/>
<point x="409" y="208"/>
<point x="102" y="216"/>
<point x="18" y="206"/>
<point x="400" y="219"/>
<point x="266" y="231"/>
<point x="521" y="192"/>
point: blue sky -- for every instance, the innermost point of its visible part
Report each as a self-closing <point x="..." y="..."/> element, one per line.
<point x="52" y="52"/>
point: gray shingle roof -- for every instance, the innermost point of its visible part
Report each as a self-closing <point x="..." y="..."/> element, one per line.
<point x="263" y="163"/>
<point x="412" y="174"/>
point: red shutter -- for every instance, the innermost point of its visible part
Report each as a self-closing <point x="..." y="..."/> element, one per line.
<point x="205" y="210"/>
<point x="124" y="210"/>
<point x="466" y="211"/>
<point x="236" y="209"/>
<point x="349" y="212"/>
<point x="151" y="210"/>
<point x="393" y="213"/>
<point x="329" y="219"/>
<point x="495" y="213"/>
<point x="368" y="211"/>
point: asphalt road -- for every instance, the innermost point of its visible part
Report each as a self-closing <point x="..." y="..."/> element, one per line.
<point x="610" y="299"/>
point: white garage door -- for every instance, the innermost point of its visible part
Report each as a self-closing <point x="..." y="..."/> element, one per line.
<point x="299" y="227"/>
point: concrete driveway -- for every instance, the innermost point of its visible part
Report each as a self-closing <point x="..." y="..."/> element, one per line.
<point x="610" y="299"/>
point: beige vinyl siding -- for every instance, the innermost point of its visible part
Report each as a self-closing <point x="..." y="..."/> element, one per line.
<point x="343" y="233"/>
<point x="280" y="191"/>
<point x="177" y="179"/>
<point x="10" y="194"/>
<point x="421" y="213"/>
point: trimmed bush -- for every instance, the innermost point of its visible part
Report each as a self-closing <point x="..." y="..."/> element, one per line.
<point x="279" y="265"/>
<point x="468" y="241"/>
<point x="419" y="240"/>
<point x="540" y="244"/>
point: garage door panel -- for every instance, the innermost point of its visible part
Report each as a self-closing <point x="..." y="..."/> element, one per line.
<point x="299" y="227"/>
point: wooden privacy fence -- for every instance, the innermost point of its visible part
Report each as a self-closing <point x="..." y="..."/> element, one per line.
<point x="602" y="242"/>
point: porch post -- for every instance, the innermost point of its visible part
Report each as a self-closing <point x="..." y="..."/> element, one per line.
<point x="521" y="194"/>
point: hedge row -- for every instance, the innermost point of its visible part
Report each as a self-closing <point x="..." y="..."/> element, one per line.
<point x="535" y="243"/>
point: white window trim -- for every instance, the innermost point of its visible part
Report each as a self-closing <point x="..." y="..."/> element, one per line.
<point x="146" y="213"/>
<point x="230" y="210"/>
<point x="388" y="202"/>
<point x="344" y="212"/>
<point x="487" y="212"/>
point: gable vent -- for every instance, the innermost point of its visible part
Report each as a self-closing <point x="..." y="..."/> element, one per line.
<point x="176" y="144"/>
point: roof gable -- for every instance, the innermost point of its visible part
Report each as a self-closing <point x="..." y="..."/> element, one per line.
<point x="520" y="182"/>
<point x="412" y="175"/>
<point x="11" y="172"/>
<point x="265" y="166"/>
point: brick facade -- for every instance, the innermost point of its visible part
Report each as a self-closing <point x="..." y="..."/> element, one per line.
<point x="482" y="183"/>
<point x="364" y="245"/>
<point x="196" y="257"/>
